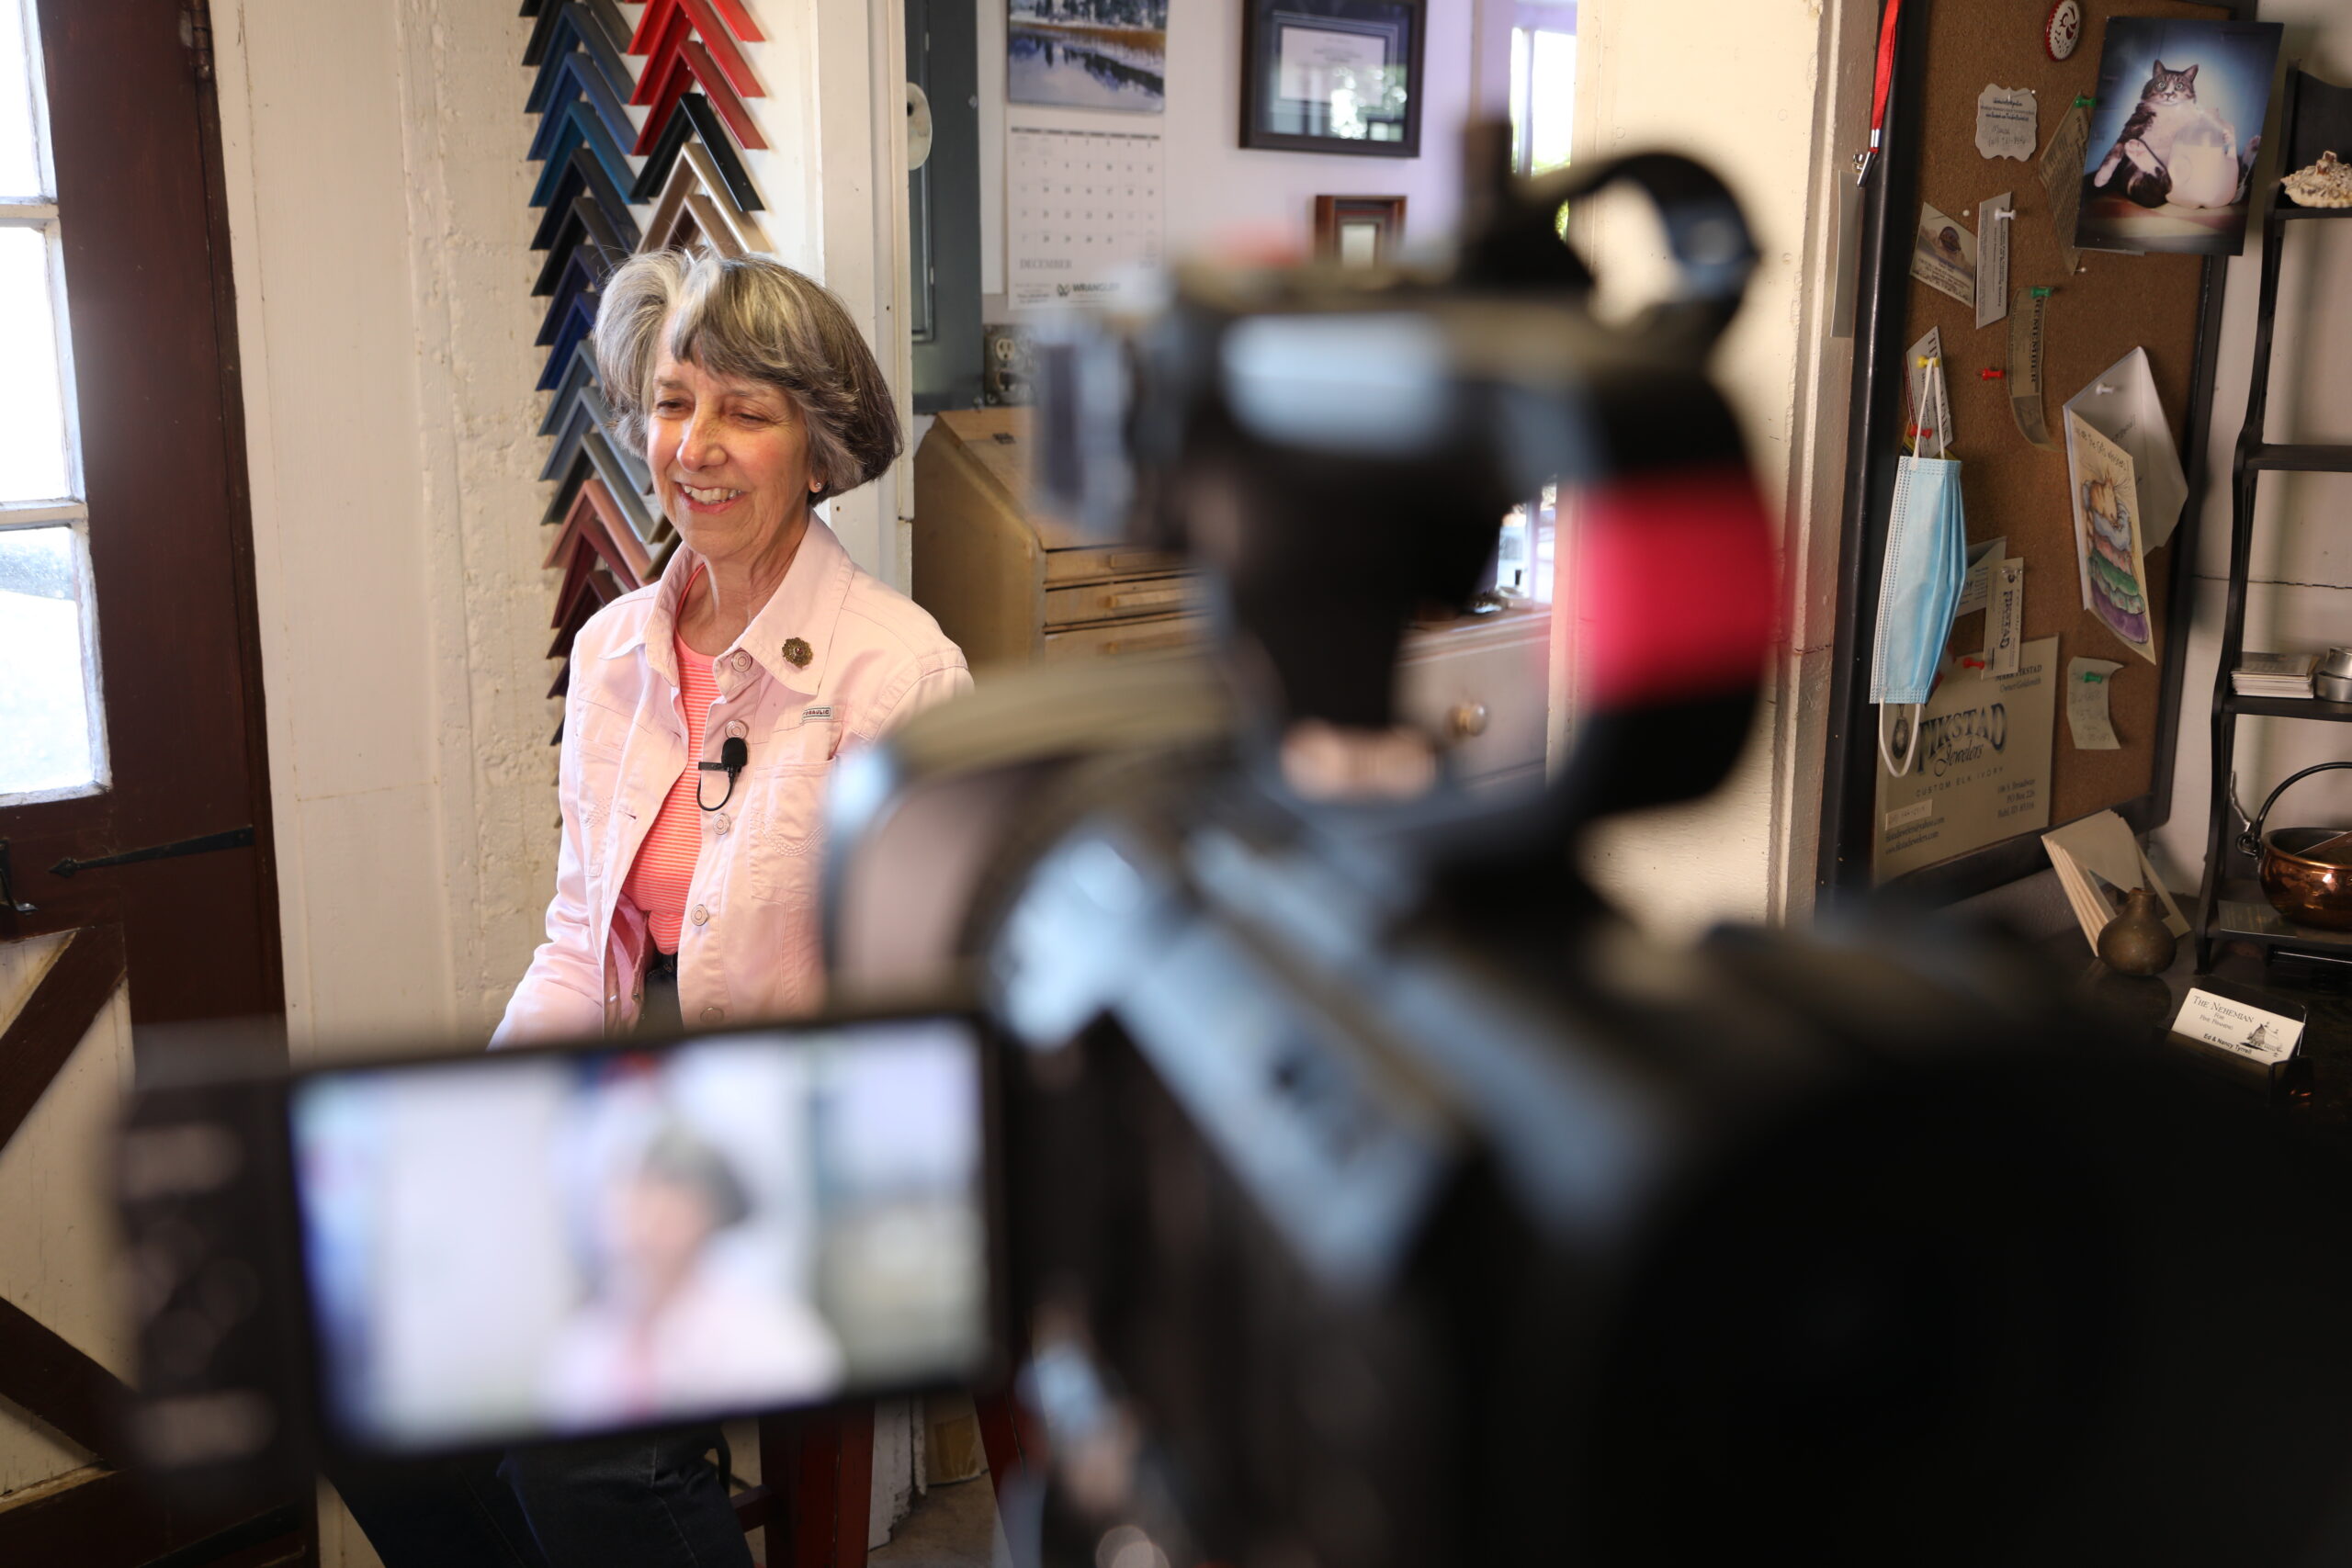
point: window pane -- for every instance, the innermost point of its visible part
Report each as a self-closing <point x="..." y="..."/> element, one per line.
<point x="45" y="737"/>
<point x="20" y="177"/>
<point x="1552" y="100"/>
<point x="32" y="402"/>
<point x="1517" y="98"/>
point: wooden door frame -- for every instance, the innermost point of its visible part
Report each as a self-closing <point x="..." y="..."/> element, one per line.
<point x="172" y="486"/>
<point x="136" y="143"/>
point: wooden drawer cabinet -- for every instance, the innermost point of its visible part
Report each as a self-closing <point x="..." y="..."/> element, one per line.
<point x="1125" y="600"/>
<point x="1010" y="586"/>
<point x="1127" y="640"/>
<point x="1015" y="588"/>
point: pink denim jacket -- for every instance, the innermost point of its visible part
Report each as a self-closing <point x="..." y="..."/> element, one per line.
<point x="834" y="659"/>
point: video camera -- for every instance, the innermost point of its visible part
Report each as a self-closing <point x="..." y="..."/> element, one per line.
<point x="1352" y="1185"/>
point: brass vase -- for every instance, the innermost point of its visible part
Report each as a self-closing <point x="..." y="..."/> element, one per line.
<point x="2137" y="941"/>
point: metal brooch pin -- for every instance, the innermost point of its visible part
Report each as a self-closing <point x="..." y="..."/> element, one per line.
<point x="798" y="653"/>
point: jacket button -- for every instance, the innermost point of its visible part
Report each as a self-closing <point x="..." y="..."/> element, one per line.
<point x="719" y="824"/>
<point x="737" y="728"/>
<point x="713" y="1015"/>
<point x="701" y="915"/>
<point x="740" y="659"/>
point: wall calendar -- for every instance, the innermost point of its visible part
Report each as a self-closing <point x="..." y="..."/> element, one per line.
<point x="1084" y="212"/>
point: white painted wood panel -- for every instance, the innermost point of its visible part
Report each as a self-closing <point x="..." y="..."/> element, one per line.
<point x="56" y="1232"/>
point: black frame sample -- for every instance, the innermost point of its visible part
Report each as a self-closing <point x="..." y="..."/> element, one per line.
<point x="1261" y="64"/>
<point x="1850" y="763"/>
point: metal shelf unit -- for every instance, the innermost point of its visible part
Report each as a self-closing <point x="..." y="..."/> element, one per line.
<point x="2229" y="904"/>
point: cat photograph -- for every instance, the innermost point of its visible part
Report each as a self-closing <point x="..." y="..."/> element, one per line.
<point x="2175" y="134"/>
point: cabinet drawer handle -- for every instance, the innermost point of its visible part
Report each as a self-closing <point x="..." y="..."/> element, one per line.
<point x="1142" y="598"/>
<point x="1148" y="643"/>
<point x="1463" y="720"/>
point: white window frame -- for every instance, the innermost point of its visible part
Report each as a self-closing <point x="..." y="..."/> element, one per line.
<point x="1530" y="15"/>
<point x="71" y="508"/>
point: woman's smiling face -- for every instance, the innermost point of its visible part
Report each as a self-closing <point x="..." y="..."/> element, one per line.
<point x="730" y="458"/>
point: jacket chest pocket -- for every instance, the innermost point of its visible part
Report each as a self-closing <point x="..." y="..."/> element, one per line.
<point x="784" y="828"/>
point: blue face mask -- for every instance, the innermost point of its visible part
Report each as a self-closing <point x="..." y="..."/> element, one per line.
<point x="1927" y="559"/>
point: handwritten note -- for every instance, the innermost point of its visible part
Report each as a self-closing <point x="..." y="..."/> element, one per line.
<point x="2005" y="622"/>
<point x="2006" y="122"/>
<point x="2250" y="1031"/>
<point x="2087" y="683"/>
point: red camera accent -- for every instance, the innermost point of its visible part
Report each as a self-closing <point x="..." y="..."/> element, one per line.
<point x="1674" y="588"/>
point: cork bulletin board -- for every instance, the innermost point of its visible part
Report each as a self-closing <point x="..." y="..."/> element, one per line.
<point x="1947" y="54"/>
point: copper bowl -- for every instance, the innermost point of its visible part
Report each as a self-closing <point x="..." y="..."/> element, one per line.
<point x="2309" y="892"/>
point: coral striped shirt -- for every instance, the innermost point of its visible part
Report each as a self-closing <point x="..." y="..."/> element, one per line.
<point x="664" y="873"/>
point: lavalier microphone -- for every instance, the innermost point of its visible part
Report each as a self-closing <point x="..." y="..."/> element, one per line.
<point x="733" y="755"/>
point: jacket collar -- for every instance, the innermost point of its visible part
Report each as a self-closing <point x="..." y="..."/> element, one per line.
<point x="805" y="608"/>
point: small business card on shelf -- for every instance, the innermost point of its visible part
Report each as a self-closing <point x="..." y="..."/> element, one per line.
<point x="2268" y="1038"/>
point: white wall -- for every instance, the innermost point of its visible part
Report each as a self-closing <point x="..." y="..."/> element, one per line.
<point x="1216" y="190"/>
<point x="1764" y="92"/>
<point x="378" y="232"/>
<point x="2301" y="590"/>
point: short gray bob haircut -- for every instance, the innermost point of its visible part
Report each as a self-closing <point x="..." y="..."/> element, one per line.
<point x="749" y="319"/>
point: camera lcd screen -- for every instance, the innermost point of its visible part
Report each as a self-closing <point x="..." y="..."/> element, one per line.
<point x="546" y="1243"/>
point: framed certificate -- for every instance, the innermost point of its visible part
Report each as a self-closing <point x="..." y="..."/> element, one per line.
<point x="1333" y="76"/>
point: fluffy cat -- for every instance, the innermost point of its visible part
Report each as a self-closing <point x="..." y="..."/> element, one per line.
<point x="2174" y="149"/>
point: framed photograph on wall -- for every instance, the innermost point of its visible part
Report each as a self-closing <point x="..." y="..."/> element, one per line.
<point x="1359" y="230"/>
<point x="1333" y="76"/>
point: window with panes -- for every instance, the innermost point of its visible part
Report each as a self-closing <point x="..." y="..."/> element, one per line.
<point x="52" y="743"/>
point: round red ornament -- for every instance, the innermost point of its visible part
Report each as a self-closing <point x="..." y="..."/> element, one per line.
<point x="2063" y="30"/>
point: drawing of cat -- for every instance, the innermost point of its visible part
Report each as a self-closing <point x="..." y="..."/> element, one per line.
<point x="2174" y="149"/>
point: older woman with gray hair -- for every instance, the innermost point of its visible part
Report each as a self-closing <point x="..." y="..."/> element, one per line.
<point x="707" y="710"/>
<point x="704" y="713"/>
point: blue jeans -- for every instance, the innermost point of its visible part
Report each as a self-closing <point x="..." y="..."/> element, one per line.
<point x="643" y="1501"/>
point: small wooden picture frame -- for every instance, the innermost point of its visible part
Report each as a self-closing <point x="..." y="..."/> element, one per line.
<point x="1359" y="230"/>
<point x="1333" y="76"/>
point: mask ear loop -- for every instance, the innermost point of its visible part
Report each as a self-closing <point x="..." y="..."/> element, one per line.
<point x="1932" y="369"/>
<point x="1935" y="378"/>
<point x="1910" y="752"/>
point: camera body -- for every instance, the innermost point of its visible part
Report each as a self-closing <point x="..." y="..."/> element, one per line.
<point x="1366" y="1190"/>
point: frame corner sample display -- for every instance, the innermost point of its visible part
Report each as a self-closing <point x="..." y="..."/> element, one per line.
<point x="1332" y="77"/>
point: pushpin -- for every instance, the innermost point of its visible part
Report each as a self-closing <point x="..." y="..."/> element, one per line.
<point x="1993" y="375"/>
<point x="2041" y="292"/>
<point x="2103" y="389"/>
<point x="2005" y="215"/>
<point x="2085" y="102"/>
<point x="2091" y="677"/>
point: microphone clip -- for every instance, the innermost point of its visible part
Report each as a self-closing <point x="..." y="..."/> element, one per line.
<point x="732" y="755"/>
